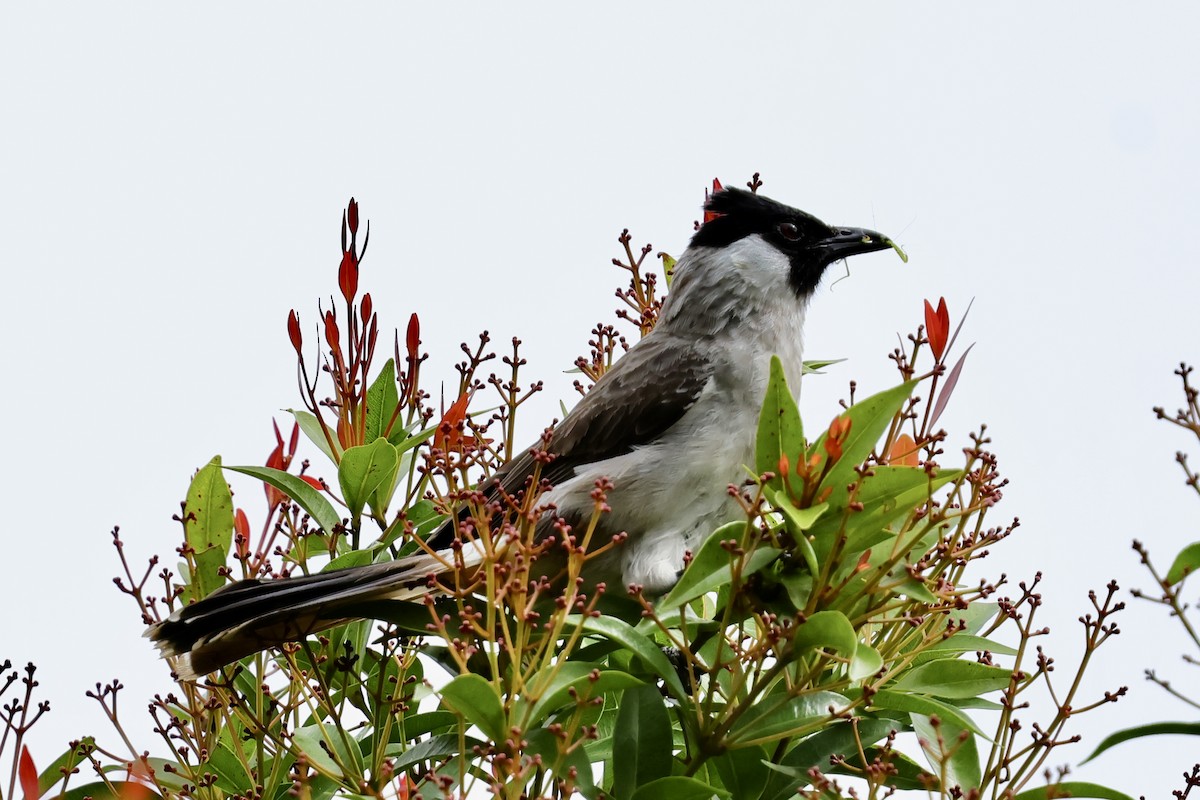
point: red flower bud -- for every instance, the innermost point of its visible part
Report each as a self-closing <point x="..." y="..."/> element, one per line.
<point x="348" y="276"/>
<point x="293" y="325"/>
<point x="783" y="467"/>
<point x="937" y="327"/>
<point x="241" y="527"/>
<point x="331" y="331"/>
<point x="839" y="429"/>
<point x="352" y="215"/>
<point x="365" y="310"/>
<point x="413" y="338"/>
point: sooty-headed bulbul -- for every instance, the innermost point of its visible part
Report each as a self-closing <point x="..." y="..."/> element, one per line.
<point x="671" y="425"/>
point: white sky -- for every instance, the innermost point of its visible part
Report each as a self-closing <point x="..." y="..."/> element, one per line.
<point x="172" y="180"/>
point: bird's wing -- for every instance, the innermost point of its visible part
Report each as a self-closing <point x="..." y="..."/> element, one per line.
<point x="635" y="402"/>
<point x="642" y="395"/>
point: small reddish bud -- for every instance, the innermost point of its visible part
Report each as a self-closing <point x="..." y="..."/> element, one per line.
<point x="348" y="276"/>
<point x="365" y="309"/>
<point x="838" y="430"/>
<point x="352" y="215"/>
<point x="784" y="466"/>
<point x="241" y="526"/>
<point x="293" y="326"/>
<point x="937" y="327"/>
<point x="413" y="337"/>
<point x="331" y="331"/>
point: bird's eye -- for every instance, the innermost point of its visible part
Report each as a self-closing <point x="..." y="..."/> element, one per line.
<point x="789" y="231"/>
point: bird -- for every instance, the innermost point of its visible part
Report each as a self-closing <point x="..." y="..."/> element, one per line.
<point x="671" y="426"/>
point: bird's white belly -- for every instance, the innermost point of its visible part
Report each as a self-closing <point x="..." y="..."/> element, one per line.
<point x="671" y="494"/>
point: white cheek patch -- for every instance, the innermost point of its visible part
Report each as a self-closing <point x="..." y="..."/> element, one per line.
<point x="759" y="263"/>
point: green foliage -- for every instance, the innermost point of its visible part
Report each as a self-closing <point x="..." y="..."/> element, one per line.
<point x="829" y="633"/>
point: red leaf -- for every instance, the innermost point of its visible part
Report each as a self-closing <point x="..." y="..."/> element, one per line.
<point x="348" y="276"/>
<point x="293" y="441"/>
<point x="352" y="215"/>
<point x="313" y="482"/>
<point x="904" y="451"/>
<point x="293" y="326"/>
<point x="937" y="327"/>
<point x="951" y="382"/>
<point x="709" y="216"/>
<point x="366" y="308"/>
<point x="29" y="775"/>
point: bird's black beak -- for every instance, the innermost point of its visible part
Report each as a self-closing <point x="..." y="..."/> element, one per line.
<point x="845" y="242"/>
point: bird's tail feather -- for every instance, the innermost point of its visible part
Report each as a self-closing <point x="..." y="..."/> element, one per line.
<point x="251" y="615"/>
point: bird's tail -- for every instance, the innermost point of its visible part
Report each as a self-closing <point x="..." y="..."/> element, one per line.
<point x="245" y="617"/>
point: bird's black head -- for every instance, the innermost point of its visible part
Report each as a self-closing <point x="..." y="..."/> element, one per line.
<point x="809" y="244"/>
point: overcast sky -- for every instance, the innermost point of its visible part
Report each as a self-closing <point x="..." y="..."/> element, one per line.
<point x="171" y="183"/>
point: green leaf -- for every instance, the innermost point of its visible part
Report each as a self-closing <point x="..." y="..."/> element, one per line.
<point x="435" y="748"/>
<point x="1153" y="729"/>
<point x="866" y="662"/>
<point x="953" y="678"/>
<point x="1072" y="789"/>
<point x="208" y="526"/>
<point x="362" y="470"/>
<point x="743" y="771"/>
<point x="799" y="586"/>
<point x="974" y="616"/>
<point x="711" y="567"/>
<point x="828" y="629"/>
<point x="308" y="498"/>
<point x="955" y="748"/>
<point x="312" y="429"/>
<point x="573" y="681"/>
<point x="839" y="738"/>
<point x="780" y="431"/>
<point x="888" y="494"/>
<point x="309" y="740"/>
<point x="382" y="496"/>
<point x="966" y="643"/>
<point x="798" y="522"/>
<point x="642" y="744"/>
<point x="869" y="419"/>
<point x="1185" y="563"/>
<point x="815" y="367"/>
<point x="53" y="774"/>
<point x="678" y="787"/>
<point x="382" y="400"/>
<point x="908" y="773"/>
<point x="544" y="744"/>
<point x="644" y="648"/>
<point x="100" y="791"/>
<point x="923" y="704"/>
<point x="477" y="702"/>
<point x="766" y="719"/>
